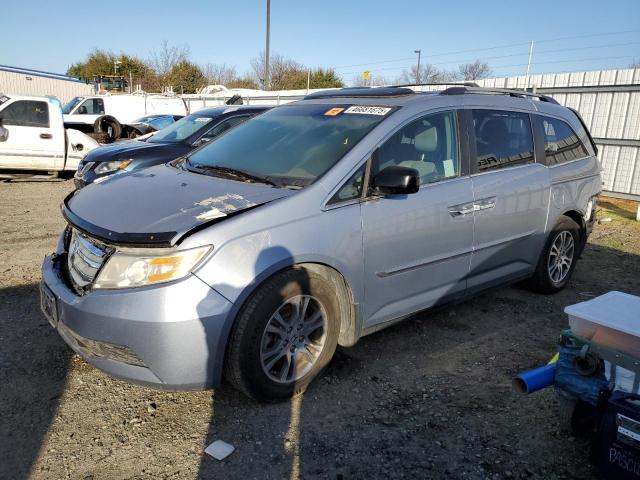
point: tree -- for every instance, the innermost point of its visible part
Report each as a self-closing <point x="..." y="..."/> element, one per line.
<point x="185" y="77"/>
<point x="428" y="74"/>
<point x="167" y="56"/>
<point x="287" y="74"/>
<point x="374" y="81"/>
<point x="243" y="82"/>
<point x="100" y="62"/>
<point x="324" y="78"/>
<point x="476" y="70"/>
<point x="220" y="74"/>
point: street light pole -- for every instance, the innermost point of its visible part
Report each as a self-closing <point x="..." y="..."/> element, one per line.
<point x="266" y="54"/>
<point x="418" y="69"/>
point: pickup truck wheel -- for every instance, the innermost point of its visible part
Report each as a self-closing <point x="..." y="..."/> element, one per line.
<point x="558" y="258"/>
<point x="285" y="334"/>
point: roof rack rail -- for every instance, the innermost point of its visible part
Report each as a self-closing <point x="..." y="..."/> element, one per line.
<point x="497" y="91"/>
<point x="463" y="84"/>
<point x="372" y="92"/>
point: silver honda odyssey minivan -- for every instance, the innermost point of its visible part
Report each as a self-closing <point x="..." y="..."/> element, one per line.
<point x="314" y="224"/>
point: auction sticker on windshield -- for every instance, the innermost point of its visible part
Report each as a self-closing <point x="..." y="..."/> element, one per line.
<point x="366" y="110"/>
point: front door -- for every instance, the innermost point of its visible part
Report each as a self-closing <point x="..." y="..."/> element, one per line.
<point x="31" y="142"/>
<point x="417" y="248"/>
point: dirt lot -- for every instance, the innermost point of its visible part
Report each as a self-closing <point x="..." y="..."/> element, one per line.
<point x="428" y="398"/>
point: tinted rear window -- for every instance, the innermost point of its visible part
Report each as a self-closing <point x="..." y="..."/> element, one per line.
<point x="503" y="139"/>
<point x="561" y="144"/>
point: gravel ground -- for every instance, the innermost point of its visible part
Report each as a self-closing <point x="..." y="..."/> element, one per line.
<point x="428" y="398"/>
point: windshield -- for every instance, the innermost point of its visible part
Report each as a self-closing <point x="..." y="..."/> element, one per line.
<point x="293" y="144"/>
<point x="181" y="130"/>
<point x="70" y="105"/>
<point x="156" y="122"/>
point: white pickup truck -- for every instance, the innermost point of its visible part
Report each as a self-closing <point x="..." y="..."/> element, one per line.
<point x="33" y="137"/>
<point x="106" y="117"/>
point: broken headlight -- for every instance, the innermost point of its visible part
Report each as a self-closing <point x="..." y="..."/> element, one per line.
<point x="139" y="267"/>
<point x="106" y="167"/>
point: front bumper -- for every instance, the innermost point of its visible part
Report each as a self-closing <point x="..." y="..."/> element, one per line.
<point x="178" y="331"/>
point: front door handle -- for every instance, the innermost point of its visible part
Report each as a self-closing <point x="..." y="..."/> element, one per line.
<point x="46" y="136"/>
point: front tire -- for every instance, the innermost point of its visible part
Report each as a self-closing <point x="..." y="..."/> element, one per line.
<point x="558" y="258"/>
<point x="285" y="334"/>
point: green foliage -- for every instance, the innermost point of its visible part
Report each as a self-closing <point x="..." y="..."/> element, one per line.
<point x="186" y="77"/>
<point x="100" y="62"/>
<point x="325" y="78"/>
<point x="242" y="82"/>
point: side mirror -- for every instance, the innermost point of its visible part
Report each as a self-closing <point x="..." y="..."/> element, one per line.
<point x="4" y="133"/>
<point x="397" y="181"/>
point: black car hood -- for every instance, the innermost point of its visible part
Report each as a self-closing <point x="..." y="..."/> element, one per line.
<point x="134" y="149"/>
<point x="161" y="204"/>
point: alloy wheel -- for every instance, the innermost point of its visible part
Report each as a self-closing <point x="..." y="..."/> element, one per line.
<point x="561" y="256"/>
<point x="293" y="339"/>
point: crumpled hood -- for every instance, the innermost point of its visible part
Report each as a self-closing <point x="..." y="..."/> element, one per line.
<point x="123" y="150"/>
<point x="159" y="205"/>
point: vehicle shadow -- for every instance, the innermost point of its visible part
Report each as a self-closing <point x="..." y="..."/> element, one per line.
<point x="33" y="370"/>
<point x="426" y="397"/>
<point x="280" y="443"/>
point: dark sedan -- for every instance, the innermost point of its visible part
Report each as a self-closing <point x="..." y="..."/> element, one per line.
<point x="171" y="142"/>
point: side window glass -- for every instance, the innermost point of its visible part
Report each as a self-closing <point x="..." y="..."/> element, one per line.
<point x="223" y="127"/>
<point x="561" y="144"/>
<point x="26" y="113"/>
<point x="503" y="139"/>
<point x="92" y="106"/>
<point x="351" y="189"/>
<point x="429" y="145"/>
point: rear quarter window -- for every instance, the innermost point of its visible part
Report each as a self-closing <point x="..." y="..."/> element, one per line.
<point x="561" y="143"/>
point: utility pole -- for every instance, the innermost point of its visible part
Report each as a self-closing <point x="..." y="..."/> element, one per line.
<point x="418" y="69"/>
<point x="308" y="80"/>
<point x="529" y="64"/>
<point x="266" y="54"/>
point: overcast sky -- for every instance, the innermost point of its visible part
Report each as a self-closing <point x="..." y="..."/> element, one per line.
<point x="353" y="36"/>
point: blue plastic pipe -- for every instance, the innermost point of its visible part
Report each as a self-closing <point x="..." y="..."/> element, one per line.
<point x="536" y="379"/>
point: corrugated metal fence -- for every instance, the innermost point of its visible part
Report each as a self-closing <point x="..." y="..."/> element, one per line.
<point x="608" y="101"/>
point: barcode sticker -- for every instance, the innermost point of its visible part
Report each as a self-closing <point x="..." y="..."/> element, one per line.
<point x="366" y="110"/>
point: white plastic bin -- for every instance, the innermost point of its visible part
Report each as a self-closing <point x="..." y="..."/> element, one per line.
<point x="611" y="320"/>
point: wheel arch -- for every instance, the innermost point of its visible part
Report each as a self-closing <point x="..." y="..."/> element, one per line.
<point x="350" y="316"/>
<point x="579" y="219"/>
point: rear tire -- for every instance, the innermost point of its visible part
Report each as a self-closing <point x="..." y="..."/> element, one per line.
<point x="558" y="258"/>
<point x="274" y="351"/>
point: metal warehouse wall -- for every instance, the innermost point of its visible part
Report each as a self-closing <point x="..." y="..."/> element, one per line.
<point x="608" y="101"/>
<point x="38" y="85"/>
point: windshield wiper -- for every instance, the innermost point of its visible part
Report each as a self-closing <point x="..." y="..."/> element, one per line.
<point x="233" y="173"/>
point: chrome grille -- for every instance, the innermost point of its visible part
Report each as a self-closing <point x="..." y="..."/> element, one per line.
<point x="84" y="259"/>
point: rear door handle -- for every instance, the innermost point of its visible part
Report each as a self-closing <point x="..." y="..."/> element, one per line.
<point x="485" y="203"/>
<point x="46" y="136"/>
<point x="460" y="210"/>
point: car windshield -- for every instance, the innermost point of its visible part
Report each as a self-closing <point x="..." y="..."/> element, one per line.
<point x="70" y="105"/>
<point x="290" y="145"/>
<point x="156" y="122"/>
<point x="181" y="130"/>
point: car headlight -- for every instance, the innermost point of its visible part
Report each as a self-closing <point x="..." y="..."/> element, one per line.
<point x="138" y="267"/>
<point x="106" y="167"/>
